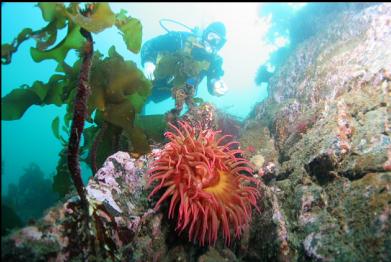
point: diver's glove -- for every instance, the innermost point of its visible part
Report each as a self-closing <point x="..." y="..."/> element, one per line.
<point x="219" y="87"/>
<point x="149" y="69"/>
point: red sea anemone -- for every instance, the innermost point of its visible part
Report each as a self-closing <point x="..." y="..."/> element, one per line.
<point x="205" y="182"/>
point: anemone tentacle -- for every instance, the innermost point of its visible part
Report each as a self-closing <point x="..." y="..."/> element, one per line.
<point x="208" y="185"/>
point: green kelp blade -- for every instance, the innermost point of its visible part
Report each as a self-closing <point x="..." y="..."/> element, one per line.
<point x="123" y="115"/>
<point x="101" y="18"/>
<point x="96" y="100"/>
<point x="139" y="140"/>
<point x="8" y="49"/>
<point x="62" y="182"/>
<point x="6" y="52"/>
<point x="55" y="89"/>
<point x="73" y="40"/>
<point x="15" y="104"/>
<point x="114" y="80"/>
<point x="154" y="126"/>
<point x="48" y="10"/>
<point x="56" y="127"/>
<point x="131" y="31"/>
<point x="53" y="12"/>
<point x="137" y="101"/>
<point x="56" y="130"/>
<point x="46" y="37"/>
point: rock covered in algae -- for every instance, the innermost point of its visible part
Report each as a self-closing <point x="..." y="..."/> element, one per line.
<point x="329" y="119"/>
<point x="117" y="201"/>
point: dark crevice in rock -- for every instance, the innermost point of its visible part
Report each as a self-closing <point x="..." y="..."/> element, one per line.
<point x="355" y="175"/>
<point x="117" y="166"/>
<point x="284" y="175"/>
<point x="321" y="167"/>
<point x="283" y="157"/>
<point x="367" y="110"/>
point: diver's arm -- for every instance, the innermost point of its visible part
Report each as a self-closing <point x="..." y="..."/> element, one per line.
<point x="215" y="85"/>
<point x="215" y="70"/>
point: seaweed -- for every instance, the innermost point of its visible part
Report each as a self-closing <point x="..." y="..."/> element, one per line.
<point x="62" y="179"/>
<point x="106" y="92"/>
<point x="130" y="30"/>
<point x="31" y="196"/>
<point x="154" y="126"/>
<point x="79" y="114"/>
<point x="116" y="92"/>
<point x="9" y="218"/>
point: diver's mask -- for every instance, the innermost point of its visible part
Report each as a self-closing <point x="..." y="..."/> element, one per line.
<point x="214" y="42"/>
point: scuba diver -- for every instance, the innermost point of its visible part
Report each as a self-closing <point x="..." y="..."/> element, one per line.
<point x="178" y="61"/>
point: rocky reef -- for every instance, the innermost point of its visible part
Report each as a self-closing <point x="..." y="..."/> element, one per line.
<point x="124" y="227"/>
<point x="320" y="144"/>
<point x="325" y="129"/>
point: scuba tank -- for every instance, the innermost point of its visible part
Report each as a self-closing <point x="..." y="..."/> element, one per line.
<point x="196" y="30"/>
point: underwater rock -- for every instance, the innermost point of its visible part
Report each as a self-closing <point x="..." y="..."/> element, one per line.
<point x="257" y="161"/>
<point x="321" y="167"/>
<point x="203" y="115"/>
<point x="269" y="235"/>
<point x="328" y="116"/>
<point x="259" y="146"/>
<point x="212" y="255"/>
<point x="207" y="116"/>
<point x="123" y="222"/>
